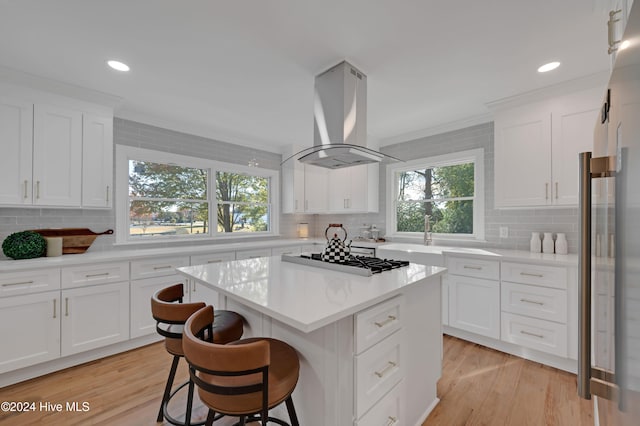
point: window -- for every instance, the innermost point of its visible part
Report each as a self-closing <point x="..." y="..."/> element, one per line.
<point x="449" y="189"/>
<point x="163" y="197"/>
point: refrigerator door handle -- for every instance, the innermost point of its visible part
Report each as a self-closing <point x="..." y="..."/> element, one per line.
<point x="591" y="380"/>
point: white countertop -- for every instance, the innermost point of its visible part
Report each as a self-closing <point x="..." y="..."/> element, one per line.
<point x="123" y="253"/>
<point x="497" y="254"/>
<point x="304" y="297"/>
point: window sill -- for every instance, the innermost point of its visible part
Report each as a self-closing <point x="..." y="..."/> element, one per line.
<point x="436" y="241"/>
<point x="196" y="241"/>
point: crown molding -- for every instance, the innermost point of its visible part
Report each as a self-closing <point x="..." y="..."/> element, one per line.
<point x="571" y="86"/>
<point x="34" y="82"/>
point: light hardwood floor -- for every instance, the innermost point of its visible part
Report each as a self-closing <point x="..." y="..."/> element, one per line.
<point x="479" y="386"/>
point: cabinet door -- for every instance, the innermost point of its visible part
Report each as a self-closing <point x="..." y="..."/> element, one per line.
<point x="339" y="190"/>
<point x="97" y="161"/>
<point x="94" y="316"/>
<point x="474" y="305"/>
<point x="293" y="187"/>
<point x="523" y="158"/>
<point x="315" y="189"/>
<point x="30" y="330"/>
<point x="142" y="323"/>
<point x="57" y="156"/>
<point x="16" y="127"/>
<point x="572" y="134"/>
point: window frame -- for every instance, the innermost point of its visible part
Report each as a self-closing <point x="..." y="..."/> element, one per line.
<point x="126" y="153"/>
<point x="476" y="156"/>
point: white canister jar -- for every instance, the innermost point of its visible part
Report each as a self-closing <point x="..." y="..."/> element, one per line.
<point x="547" y="243"/>
<point x="561" y="243"/>
<point x="535" y="245"/>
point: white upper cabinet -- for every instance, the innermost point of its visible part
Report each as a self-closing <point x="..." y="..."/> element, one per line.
<point x="354" y="189"/>
<point x="293" y="187"/>
<point x="97" y="161"/>
<point x="537" y="146"/>
<point x="315" y="189"/>
<point x="16" y="135"/>
<point x="57" y="156"/>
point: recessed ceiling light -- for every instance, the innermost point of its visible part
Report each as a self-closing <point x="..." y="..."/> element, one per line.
<point x="625" y="44"/>
<point x="117" y="65"/>
<point x="548" y="67"/>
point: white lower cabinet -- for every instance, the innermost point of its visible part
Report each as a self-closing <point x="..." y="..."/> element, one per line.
<point x="474" y="305"/>
<point x="30" y="329"/>
<point x="546" y="336"/>
<point x="147" y="277"/>
<point x="94" y="316"/>
<point x="387" y="412"/>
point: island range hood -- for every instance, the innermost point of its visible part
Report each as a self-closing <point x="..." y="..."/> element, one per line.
<point x="340" y="121"/>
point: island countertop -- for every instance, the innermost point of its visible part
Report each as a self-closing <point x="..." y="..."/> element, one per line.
<point x="304" y="297"/>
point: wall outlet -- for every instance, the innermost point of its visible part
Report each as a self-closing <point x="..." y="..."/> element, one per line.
<point x="504" y="232"/>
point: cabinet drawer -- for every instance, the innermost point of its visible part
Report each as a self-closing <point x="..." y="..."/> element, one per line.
<point x="539" y="302"/>
<point x="477" y="268"/>
<point x="545" y="336"/>
<point x="102" y="273"/>
<point x="252" y="254"/>
<point x="203" y="259"/>
<point x="157" y="267"/>
<point x="387" y="412"/>
<point x="377" y="322"/>
<point x="546" y="276"/>
<point x="16" y="283"/>
<point x="377" y="371"/>
<point x="277" y="251"/>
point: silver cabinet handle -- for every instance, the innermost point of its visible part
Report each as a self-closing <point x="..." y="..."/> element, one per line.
<point x="155" y="268"/>
<point x="535" y="302"/>
<point x="613" y="43"/>
<point x="476" y="268"/>
<point x="12" y="284"/>
<point x="392" y="420"/>
<point x="104" y="274"/>
<point x="385" y="370"/>
<point x="66" y="306"/>
<point x="38" y="189"/>
<point x="26" y="183"/>
<point x="546" y="190"/>
<point x="55" y="302"/>
<point x="556" y="190"/>
<point x="389" y="319"/>
<point x="214" y="261"/>
<point x="194" y="287"/>
<point x="540" y="336"/>
<point x="107" y="197"/>
<point x="528" y="274"/>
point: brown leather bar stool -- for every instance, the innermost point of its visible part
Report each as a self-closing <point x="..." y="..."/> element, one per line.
<point x="245" y="378"/>
<point x="170" y="313"/>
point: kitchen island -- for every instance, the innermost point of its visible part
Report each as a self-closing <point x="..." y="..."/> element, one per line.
<point x="370" y="347"/>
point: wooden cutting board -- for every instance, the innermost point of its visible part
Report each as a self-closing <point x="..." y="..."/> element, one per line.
<point x="74" y="240"/>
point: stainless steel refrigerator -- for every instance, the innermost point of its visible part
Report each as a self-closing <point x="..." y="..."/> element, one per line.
<point x="609" y="269"/>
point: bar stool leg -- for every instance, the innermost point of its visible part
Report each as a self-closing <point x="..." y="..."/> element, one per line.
<point x="292" y="412"/>
<point x="167" y="389"/>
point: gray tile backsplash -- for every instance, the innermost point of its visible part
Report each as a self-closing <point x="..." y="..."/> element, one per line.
<point x="520" y="222"/>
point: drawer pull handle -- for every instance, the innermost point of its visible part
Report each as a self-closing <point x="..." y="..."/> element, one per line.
<point x="528" y="274"/>
<point x="539" y="336"/>
<point x="389" y="319"/>
<point x="475" y="268"/>
<point x="12" y="284"/>
<point x="104" y="274"/>
<point x="535" y="302"/>
<point x="155" y="268"/>
<point x="214" y="261"/>
<point x="390" y="365"/>
<point x="392" y="421"/>
<point x="55" y="302"/>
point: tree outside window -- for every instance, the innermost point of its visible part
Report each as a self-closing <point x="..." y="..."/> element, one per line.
<point x="444" y="193"/>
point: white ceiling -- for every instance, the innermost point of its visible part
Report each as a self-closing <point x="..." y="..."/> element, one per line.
<point x="242" y="71"/>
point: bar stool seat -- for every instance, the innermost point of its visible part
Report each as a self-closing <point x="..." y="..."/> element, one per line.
<point x="171" y="314"/>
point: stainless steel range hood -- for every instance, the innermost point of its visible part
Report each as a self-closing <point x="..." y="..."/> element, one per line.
<point x="340" y="121"/>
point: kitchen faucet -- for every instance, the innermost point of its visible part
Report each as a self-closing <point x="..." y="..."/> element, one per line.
<point x="427" y="231"/>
